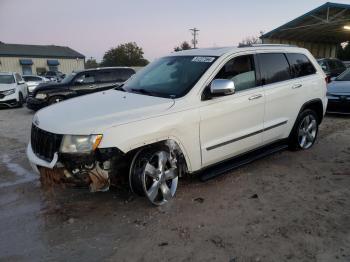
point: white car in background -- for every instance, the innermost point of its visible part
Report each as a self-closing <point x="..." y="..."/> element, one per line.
<point x="33" y="81"/>
<point x="183" y="114"/>
<point x="13" y="90"/>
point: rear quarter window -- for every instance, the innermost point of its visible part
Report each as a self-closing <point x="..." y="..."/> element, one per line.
<point x="300" y="65"/>
<point x="274" y="68"/>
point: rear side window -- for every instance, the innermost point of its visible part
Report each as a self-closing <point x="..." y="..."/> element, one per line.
<point x="340" y="64"/>
<point x="105" y="76"/>
<point x="125" y="74"/>
<point x="85" y="78"/>
<point x="119" y="75"/>
<point x="274" y="68"/>
<point x="18" y="78"/>
<point x="300" y="65"/>
<point x="333" y="64"/>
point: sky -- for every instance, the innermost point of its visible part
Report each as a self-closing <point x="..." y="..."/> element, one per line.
<point x="93" y="27"/>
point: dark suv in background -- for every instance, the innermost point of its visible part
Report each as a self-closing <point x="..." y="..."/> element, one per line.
<point x="332" y="66"/>
<point x="77" y="84"/>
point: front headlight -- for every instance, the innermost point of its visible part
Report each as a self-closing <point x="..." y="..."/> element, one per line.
<point x="9" y="92"/>
<point x="80" y="144"/>
<point x="40" y="96"/>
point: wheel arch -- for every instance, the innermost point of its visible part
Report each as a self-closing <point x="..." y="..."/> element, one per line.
<point x="315" y="105"/>
<point x="172" y="143"/>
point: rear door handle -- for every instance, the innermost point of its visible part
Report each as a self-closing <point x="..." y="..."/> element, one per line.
<point x="92" y="86"/>
<point x="297" y="86"/>
<point x="255" y="97"/>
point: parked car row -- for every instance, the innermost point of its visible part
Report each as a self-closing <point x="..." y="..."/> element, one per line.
<point x="40" y="91"/>
<point x="192" y="111"/>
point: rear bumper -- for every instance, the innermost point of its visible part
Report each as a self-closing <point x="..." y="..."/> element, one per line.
<point x="337" y="106"/>
<point x="35" y="104"/>
<point x="36" y="161"/>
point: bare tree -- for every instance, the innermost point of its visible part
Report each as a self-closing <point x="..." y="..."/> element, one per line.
<point x="251" y="40"/>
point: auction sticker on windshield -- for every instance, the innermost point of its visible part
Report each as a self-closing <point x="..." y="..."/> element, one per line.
<point x="203" y="59"/>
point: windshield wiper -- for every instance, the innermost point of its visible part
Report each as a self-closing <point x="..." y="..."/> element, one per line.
<point x="142" y="91"/>
<point x="149" y="93"/>
<point x="120" y="88"/>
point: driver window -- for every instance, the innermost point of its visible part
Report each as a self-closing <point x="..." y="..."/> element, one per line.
<point x="241" y="70"/>
<point x="86" y="78"/>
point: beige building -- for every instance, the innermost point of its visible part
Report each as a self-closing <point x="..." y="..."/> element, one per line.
<point x="37" y="59"/>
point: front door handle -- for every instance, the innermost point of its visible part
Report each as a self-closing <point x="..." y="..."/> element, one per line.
<point x="255" y="97"/>
<point x="92" y="86"/>
<point x="297" y="86"/>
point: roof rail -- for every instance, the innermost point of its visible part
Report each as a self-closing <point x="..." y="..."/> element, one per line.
<point x="266" y="45"/>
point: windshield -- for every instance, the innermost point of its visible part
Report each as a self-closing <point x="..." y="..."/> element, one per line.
<point x="170" y="77"/>
<point x="345" y="76"/>
<point x="7" y="79"/>
<point x="68" y="78"/>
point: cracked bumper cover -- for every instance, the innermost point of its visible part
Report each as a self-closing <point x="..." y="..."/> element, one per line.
<point x="36" y="161"/>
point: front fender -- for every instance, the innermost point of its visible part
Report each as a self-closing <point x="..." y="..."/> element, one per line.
<point x="181" y="127"/>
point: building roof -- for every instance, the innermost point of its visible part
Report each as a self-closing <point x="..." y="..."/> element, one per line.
<point x="46" y="51"/>
<point x="324" y="24"/>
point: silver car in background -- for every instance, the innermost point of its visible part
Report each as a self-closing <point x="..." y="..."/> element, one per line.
<point x="33" y="81"/>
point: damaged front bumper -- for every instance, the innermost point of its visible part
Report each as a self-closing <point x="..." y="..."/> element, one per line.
<point x="92" y="170"/>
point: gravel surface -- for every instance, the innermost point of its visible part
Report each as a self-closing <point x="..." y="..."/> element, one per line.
<point x="290" y="206"/>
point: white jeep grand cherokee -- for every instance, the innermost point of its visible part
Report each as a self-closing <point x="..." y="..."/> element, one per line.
<point x="206" y="110"/>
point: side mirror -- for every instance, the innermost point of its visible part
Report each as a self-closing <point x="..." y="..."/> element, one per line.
<point x="222" y="87"/>
<point x="324" y="68"/>
<point x="20" y="82"/>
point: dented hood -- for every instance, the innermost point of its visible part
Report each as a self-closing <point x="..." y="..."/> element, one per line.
<point x="92" y="114"/>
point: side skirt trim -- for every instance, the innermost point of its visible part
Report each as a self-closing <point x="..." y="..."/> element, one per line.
<point x="245" y="136"/>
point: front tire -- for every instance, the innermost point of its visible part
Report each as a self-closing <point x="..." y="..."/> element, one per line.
<point x="55" y="100"/>
<point x="305" y="130"/>
<point x="154" y="174"/>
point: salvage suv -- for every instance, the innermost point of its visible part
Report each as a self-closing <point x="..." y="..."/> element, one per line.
<point x="201" y="111"/>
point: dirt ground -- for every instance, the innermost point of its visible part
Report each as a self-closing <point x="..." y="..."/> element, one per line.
<point x="291" y="206"/>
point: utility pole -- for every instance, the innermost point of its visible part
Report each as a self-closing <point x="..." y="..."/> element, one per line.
<point x="194" y="33"/>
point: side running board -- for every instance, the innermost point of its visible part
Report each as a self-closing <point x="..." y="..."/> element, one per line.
<point x="238" y="161"/>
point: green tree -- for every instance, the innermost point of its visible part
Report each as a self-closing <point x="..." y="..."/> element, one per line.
<point x="128" y="54"/>
<point x="184" y="46"/>
<point x="343" y="52"/>
<point x="91" y="63"/>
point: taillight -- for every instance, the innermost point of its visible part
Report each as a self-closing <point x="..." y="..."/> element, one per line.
<point x="328" y="79"/>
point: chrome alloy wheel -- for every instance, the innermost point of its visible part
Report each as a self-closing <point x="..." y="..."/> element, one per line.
<point x="156" y="174"/>
<point x="307" y="131"/>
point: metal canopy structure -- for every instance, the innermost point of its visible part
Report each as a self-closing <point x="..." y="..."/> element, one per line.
<point x="319" y="30"/>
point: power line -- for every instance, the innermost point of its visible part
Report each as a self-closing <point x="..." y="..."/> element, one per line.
<point x="194" y="33"/>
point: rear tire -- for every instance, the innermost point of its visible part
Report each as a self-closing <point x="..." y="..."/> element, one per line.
<point x="305" y="130"/>
<point x="55" y="100"/>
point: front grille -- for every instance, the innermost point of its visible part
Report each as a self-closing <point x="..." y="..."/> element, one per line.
<point x="44" y="144"/>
